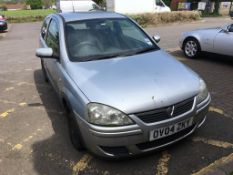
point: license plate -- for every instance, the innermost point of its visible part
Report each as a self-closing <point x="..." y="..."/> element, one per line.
<point x="169" y="130"/>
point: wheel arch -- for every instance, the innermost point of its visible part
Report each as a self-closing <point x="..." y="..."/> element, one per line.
<point x="66" y="104"/>
<point x="72" y="103"/>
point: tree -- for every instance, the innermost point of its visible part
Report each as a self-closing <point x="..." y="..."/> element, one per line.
<point x="34" y="4"/>
<point x="47" y="3"/>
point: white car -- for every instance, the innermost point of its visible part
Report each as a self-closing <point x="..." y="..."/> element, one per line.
<point x="215" y="40"/>
<point x="137" y="6"/>
<point x="76" y="6"/>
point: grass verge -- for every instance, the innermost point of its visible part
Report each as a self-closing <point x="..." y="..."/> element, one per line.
<point x="18" y="16"/>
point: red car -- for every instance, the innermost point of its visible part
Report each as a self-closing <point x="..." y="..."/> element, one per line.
<point x="3" y="23"/>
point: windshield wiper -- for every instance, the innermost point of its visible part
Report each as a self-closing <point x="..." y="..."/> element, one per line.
<point x="99" y="57"/>
<point x="146" y="50"/>
<point x="125" y="54"/>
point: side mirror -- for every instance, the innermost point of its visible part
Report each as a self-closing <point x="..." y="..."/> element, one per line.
<point x="157" y="38"/>
<point x="45" y="53"/>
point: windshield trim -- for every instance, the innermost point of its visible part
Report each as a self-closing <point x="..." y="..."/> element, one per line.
<point x="156" y="47"/>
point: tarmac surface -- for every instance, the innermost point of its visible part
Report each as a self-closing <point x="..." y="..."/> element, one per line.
<point x="34" y="136"/>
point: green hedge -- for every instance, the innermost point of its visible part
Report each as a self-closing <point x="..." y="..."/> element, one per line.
<point x="146" y="19"/>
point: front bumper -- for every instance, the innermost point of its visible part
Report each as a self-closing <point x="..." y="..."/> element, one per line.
<point x="181" y="42"/>
<point x="131" y="140"/>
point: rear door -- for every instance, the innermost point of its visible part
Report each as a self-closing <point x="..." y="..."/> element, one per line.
<point x="224" y="41"/>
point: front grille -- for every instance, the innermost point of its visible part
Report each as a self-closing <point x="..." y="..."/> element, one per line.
<point x="166" y="112"/>
<point x="117" y="151"/>
<point x="183" y="107"/>
<point x="165" y="140"/>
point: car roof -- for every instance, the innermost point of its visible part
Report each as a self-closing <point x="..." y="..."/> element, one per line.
<point x="76" y="16"/>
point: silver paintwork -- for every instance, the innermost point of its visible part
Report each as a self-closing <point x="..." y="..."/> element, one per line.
<point x="131" y="84"/>
<point x="215" y="40"/>
<point x="128" y="86"/>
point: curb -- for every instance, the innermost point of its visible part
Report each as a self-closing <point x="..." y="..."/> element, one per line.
<point x="176" y="49"/>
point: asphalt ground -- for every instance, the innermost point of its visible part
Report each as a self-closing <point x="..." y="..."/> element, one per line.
<point x="33" y="128"/>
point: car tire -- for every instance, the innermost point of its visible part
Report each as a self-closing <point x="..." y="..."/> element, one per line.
<point x="191" y="48"/>
<point x="44" y="72"/>
<point x="75" y="134"/>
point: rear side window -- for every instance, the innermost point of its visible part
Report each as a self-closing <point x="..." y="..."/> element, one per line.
<point x="52" y="39"/>
<point x="44" y="27"/>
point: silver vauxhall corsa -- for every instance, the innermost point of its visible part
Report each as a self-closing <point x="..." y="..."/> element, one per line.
<point x="123" y="95"/>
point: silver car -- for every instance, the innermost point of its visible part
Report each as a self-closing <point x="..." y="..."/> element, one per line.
<point x="123" y="95"/>
<point x="214" y="40"/>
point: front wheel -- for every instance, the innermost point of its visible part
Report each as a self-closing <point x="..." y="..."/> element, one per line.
<point x="75" y="134"/>
<point x="191" y="48"/>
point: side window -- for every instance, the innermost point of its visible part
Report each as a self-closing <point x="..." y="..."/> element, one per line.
<point x="95" y="7"/>
<point x="44" y="27"/>
<point x="159" y="3"/>
<point x="52" y="39"/>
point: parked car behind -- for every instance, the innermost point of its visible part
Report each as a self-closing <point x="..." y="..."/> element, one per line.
<point x="137" y="6"/>
<point x="76" y="5"/>
<point x="123" y="95"/>
<point x="3" y="23"/>
<point x="217" y="40"/>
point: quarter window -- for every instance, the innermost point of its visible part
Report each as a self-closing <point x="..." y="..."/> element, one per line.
<point x="53" y="38"/>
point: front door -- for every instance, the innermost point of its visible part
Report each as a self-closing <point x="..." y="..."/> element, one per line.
<point x="52" y="65"/>
<point x="223" y="42"/>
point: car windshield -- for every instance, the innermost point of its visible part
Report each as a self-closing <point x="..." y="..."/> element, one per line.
<point x="96" y="39"/>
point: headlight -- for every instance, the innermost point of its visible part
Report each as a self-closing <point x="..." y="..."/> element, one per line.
<point x="103" y="115"/>
<point x="203" y="92"/>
